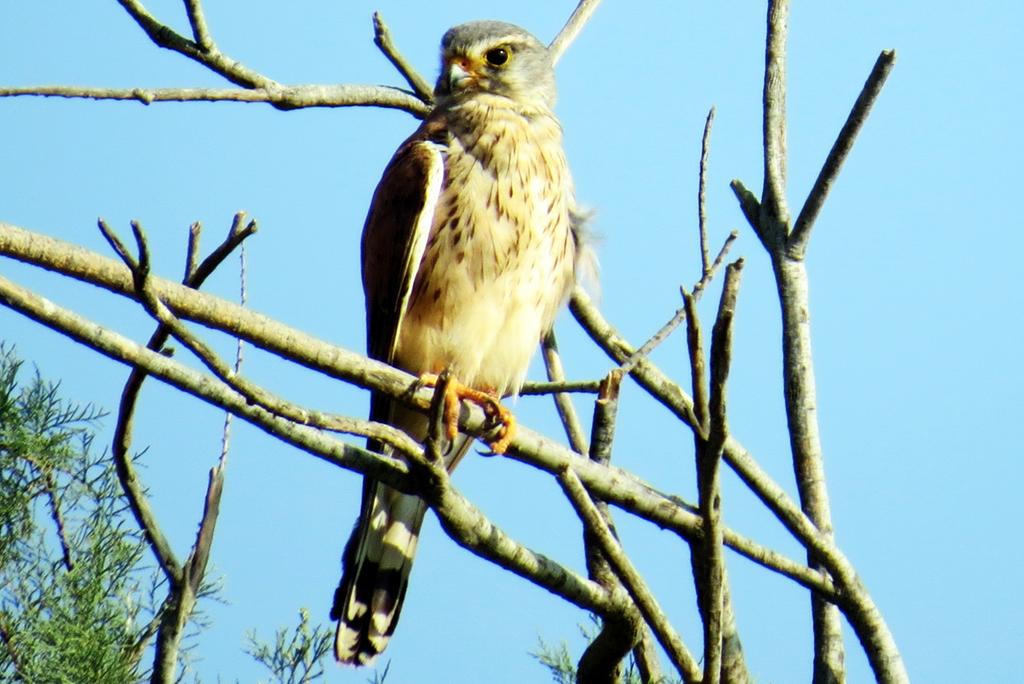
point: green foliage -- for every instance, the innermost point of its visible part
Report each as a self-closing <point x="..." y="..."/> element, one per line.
<point x="296" y="656"/>
<point x="557" y="660"/>
<point x="70" y="555"/>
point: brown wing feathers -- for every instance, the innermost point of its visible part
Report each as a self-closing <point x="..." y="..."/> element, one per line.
<point x="379" y="554"/>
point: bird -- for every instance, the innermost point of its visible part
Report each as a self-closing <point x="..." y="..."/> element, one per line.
<point x="470" y="247"/>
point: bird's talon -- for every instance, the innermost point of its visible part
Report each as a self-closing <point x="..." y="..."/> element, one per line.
<point x="487" y="401"/>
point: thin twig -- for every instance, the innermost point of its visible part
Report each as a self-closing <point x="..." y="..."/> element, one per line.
<point x="679" y="654"/>
<point x="208" y="55"/>
<point x="698" y="366"/>
<point x="382" y="39"/>
<point x="705" y="279"/>
<point x="578" y="19"/>
<point x="138" y="649"/>
<point x="198" y="559"/>
<point x="196" y="19"/>
<point x="58" y="520"/>
<point x="563" y="403"/>
<point x="797" y="244"/>
<point x="243" y="297"/>
<point x="751" y="207"/>
<point x="240" y="230"/>
<point x="284" y="97"/>
<point x="702" y="183"/>
<point x="565" y="387"/>
<point x="117" y="245"/>
<point x="195" y="233"/>
<point x="630" y="363"/>
<point x="662" y="334"/>
<point x="602" y="433"/>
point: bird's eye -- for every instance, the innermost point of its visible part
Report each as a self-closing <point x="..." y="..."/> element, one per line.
<point x="496" y="56"/>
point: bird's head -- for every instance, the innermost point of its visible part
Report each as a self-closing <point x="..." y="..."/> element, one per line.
<point x="497" y="58"/>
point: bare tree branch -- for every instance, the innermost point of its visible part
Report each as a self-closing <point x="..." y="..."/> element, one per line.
<point x="243" y="297"/>
<point x="710" y="580"/>
<point x="204" y="51"/>
<point x="382" y="39"/>
<point x="853" y="598"/>
<point x="751" y="208"/>
<point x="805" y="442"/>
<point x="58" y="520"/>
<point x="705" y="279"/>
<point x="677" y="651"/>
<point x="602" y="659"/>
<point x="564" y="387"/>
<point x="698" y="367"/>
<point x="616" y="488"/>
<point x="797" y="244"/>
<point x="251" y="391"/>
<point x="771" y="223"/>
<point x="124" y="466"/>
<point x="458" y="516"/>
<point x="474" y="532"/>
<point x="578" y="19"/>
<point x="611" y="484"/>
<point x="182" y="593"/>
<point x="197" y="20"/>
<point x="563" y="403"/>
<point x="465" y="524"/>
<point x="774" y="124"/>
<point x="680" y="315"/>
<point x="255" y="87"/>
<point x="709" y="455"/>
<point x="182" y="581"/>
<point x="702" y="182"/>
<point x="284" y="97"/>
<point x="195" y="233"/>
<point x="647" y="659"/>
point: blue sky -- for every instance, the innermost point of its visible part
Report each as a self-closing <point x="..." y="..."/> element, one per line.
<point x="914" y="296"/>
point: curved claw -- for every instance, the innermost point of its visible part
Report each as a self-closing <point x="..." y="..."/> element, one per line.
<point x="492" y="407"/>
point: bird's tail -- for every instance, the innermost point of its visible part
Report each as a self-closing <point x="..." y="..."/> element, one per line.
<point x="378" y="559"/>
<point x="379" y="554"/>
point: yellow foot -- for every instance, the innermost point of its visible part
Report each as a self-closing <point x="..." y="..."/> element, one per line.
<point x="488" y="401"/>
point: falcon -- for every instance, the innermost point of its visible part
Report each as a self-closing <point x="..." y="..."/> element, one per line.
<point x="469" y="250"/>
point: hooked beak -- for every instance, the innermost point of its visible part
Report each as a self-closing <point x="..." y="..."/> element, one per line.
<point x="458" y="76"/>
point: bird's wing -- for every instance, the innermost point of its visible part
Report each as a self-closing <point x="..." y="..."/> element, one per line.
<point x="378" y="556"/>
<point x="395" y="237"/>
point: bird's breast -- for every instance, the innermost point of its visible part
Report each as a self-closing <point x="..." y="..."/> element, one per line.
<point x="500" y="259"/>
